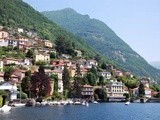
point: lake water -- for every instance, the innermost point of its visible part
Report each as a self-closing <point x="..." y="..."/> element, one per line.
<point x="103" y="111"/>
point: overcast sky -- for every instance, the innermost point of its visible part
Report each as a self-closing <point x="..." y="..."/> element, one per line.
<point x="136" y="22"/>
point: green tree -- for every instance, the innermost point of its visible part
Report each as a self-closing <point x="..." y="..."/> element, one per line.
<point x="101" y="93"/>
<point x="104" y="66"/>
<point x="66" y="78"/>
<point x="26" y="84"/>
<point x="101" y="81"/>
<point x="4" y="95"/>
<point x="91" y="78"/>
<point x="29" y="53"/>
<point x="55" y="78"/>
<point x="8" y="73"/>
<point x="52" y="55"/>
<point x="77" y="88"/>
<point x="94" y="71"/>
<point x="141" y="89"/>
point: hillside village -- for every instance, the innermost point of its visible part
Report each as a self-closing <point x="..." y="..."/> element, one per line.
<point x="26" y="51"/>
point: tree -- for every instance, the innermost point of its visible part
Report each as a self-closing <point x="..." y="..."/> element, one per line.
<point x="29" y="53"/>
<point x="55" y="78"/>
<point x="66" y="78"/>
<point x="104" y="66"/>
<point x="4" y="95"/>
<point x="52" y="55"/>
<point x="101" y="81"/>
<point x="101" y="93"/>
<point x="40" y="84"/>
<point x="26" y="84"/>
<point x="94" y="71"/>
<point x="91" y="78"/>
<point x="8" y="73"/>
<point x="77" y="88"/>
<point x="64" y="46"/>
<point x="141" y="89"/>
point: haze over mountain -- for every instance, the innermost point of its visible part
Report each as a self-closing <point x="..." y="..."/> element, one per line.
<point x="103" y="39"/>
<point x="156" y="64"/>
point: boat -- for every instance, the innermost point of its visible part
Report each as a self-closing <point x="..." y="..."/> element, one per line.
<point x="87" y="104"/>
<point x="127" y="103"/>
<point x="95" y="102"/>
<point x="19" y="104"/>
<point x="5" y="109"/>
<point x="77" y="103"/>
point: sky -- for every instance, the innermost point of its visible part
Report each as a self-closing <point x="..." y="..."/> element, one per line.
<point x="137" y="22"/>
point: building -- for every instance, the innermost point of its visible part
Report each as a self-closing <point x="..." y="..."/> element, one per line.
<point x="148" y="92"/>
<point x="3" y="34"/>
<point x="115" y="91"/>
<point x="106" y="75"/>
<point x="1" y="65"/>
<point x="42" y="57"/>
<point x="20" y="30"/>
<point x="3" y="42"/>
<point x="11" y="61"/>
<point x="87" y="91"/>
<point x="118" y="73"/>
<point x="48" y="44"/>
<point x="79" y="53"/>
<point x="12" y="89"/>
<point x="60" y="82"/>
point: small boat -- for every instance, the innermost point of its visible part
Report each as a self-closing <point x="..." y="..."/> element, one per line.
<point x="5" y="109"/>
<point x="127" y="103"/>
<point x="19" y="104"/>
<point x="87" y="104"/>
<point x="95" y="102"/>
<point x="77" y="103"/>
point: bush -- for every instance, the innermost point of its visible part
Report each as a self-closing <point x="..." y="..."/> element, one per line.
<point x="23" y="95"/>
<point x="1" y="101"/>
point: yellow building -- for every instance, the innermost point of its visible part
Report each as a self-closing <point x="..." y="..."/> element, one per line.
<point x="48" y="44"/>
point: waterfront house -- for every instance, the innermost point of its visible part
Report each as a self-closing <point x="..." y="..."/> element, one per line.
<point x="115" y="91"/>
<point x="11" y="88"/>
<point x="87" y="91"/>
<point x="60" y="82"/>
<point x="148" y="92"/>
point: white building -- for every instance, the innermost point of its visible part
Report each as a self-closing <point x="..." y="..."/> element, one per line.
<point x="3" y="42"/>
<point x="12" y="89"/>
<point x="1" y="65"/>
<point x="115" y="91"/>
<point x="42" y="57"/>
<point x="106" y="75"/>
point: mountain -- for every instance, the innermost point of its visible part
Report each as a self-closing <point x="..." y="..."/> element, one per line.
<point x="155" y="64"/>
<point x="104" y="40"/>
<point x="16" y="13"/>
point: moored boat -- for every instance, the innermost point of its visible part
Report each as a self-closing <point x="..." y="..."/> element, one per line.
<point x="5" y="109"/>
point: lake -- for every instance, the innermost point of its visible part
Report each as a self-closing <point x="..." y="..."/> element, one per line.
<point x="103" y="111"/>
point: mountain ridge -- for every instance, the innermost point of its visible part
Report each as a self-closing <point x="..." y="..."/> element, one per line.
<point x="104" y="40"/>
<point x="16" y="13"/>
